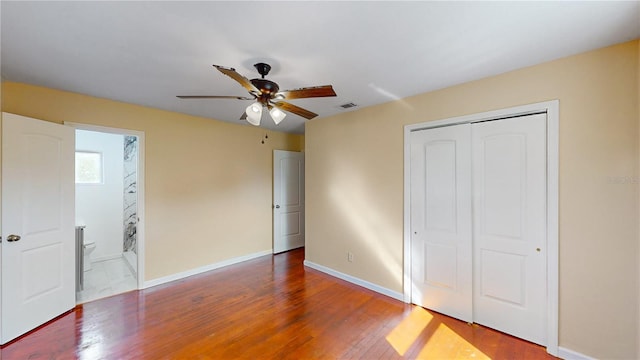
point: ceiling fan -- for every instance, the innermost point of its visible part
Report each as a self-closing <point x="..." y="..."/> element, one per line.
<point x="268" y="95"/>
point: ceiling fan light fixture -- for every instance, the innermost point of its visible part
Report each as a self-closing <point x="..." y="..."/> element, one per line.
<point x="254" y="113"/>
<point x="277" y="115"/>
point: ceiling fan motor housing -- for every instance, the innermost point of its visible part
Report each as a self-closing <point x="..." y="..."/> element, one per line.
<point x="267" y="88"/>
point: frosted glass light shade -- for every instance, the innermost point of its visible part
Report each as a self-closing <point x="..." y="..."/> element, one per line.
<point x="254" y="113"/>
<point x="277" y="115"/>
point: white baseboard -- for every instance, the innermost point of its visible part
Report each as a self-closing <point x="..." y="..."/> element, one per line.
<point x="355" y="280"/>
<point x="184" y="274"/>
<point x="568" y="354"/>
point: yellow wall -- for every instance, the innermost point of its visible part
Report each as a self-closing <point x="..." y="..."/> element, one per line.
<point x="354" y="199"/>
<point x="208" y="183"/>
<point x="638" y="177"/>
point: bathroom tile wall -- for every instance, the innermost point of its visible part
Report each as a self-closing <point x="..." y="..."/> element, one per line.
<point x="130" y="193"/>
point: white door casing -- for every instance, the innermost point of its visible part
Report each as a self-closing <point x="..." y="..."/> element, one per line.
<point x="288" y="200"/>
<point x="441" y="220"/>
<point x="38" y="275"/>
<point x="140" y="187"/>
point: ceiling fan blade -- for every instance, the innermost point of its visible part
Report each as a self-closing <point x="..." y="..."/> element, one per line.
<point x="213" y="97"/>
<point x="231" y="72"/>
<point x="308" y="92"/>
<point x="295" y="109"/>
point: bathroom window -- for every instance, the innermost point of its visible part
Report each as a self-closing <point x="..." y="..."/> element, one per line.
<point x="88" y="167"/>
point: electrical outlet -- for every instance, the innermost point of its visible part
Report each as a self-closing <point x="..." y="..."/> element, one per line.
<point x="350" y="256"/>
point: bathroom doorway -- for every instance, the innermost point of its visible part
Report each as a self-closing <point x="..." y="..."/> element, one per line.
<point x="109" y="206"/>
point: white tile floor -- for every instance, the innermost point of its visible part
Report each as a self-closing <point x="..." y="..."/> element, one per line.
<point x="106" y="278"/>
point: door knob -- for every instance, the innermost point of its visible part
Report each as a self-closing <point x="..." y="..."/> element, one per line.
<point x="277" y="206"/>
<point x="12" y="238"/>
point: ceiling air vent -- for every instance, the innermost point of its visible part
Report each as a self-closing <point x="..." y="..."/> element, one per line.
<point x="348" y="105"/>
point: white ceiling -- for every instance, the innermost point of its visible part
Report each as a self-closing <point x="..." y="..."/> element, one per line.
<point x="371" y="52"/>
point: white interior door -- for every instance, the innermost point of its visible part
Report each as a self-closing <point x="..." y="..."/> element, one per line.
<point x="509" y="186"/>
<point x="38" y="247"/>
<point x="288" y="200"/>
<point x="441" y="249"/>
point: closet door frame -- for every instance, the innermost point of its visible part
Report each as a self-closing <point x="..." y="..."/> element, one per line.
<point x="551" y="108"/>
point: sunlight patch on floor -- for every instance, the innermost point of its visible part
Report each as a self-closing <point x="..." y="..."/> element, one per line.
<point x="447" y="344"/>
<point x="443" y="343"/>
<point x="406" y="333"/>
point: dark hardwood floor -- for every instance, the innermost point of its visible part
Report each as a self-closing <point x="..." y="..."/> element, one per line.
<point x="267" y="308"/>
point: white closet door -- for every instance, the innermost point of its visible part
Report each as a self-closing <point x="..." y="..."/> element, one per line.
<point x="441" y="273"/>
<point x="509" y="186"/>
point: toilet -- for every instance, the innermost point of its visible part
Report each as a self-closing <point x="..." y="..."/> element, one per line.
<point x="88" y="246"/>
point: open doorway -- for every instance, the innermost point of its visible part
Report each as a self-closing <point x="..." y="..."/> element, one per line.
<point x="108" y="211"/>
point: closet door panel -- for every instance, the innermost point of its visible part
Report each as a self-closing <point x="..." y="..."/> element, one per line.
<point x="509" y="234"/>
<point x="441" y="220"/>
